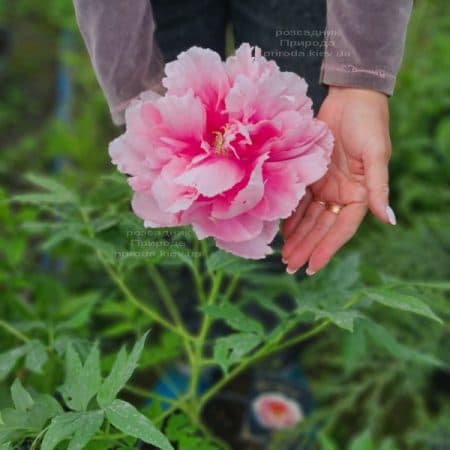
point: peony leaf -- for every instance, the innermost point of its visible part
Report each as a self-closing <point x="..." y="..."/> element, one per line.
<point x="234" y="317"/>
<point x="123" y="368"/>
<point x="129" y="420"/>
<point x="81" y="426"/>
<point x="21" y="398"/>
<point x="404" y="302"/>
<point x="230" y="349"/>
<point x="82" y="381"/>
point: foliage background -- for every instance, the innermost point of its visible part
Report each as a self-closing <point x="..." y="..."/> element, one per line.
<point x="359" y="383"/>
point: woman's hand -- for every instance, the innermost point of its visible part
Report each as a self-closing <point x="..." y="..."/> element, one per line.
<point x="357" y="179"/>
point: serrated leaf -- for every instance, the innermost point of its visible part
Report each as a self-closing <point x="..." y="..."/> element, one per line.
<point x="234" y="317"/>
<point x="82" y="381"/>
<point x="9" y="359"/>
<point x="22" y="400"/>
<point x="121" y="372"/>
<point x="403" y="302"/>
<point x="230" y="349"/>
<point x="79" y="426"/>
<point x="36" y="356"/>
<point x="129" y="420"/>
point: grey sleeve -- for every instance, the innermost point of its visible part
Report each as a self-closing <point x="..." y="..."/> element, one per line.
<point x="119" y="39"/>
<point x="366" y="41"/>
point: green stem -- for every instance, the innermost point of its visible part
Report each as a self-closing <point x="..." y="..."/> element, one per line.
<point x="126" y="291"/>
<point x="14" y="331"/>
<point x="231" y="287"/>
<point x="145" y="393"/>
<point x="165" y="294"/>
<point x="206" y="323"/>
<point x="169" y="302"/>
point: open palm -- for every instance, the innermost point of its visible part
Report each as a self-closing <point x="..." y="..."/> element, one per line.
<point x="357" y="179"/>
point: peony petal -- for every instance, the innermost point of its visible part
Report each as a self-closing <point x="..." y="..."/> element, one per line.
<point x="248" y="61"/>
<point x="173" y="197"/>
<point x="183" y="116"/>
<point x="256" y="248"/>
<point x="146" y="207"/>
<point x="282" y="192"/>
<point x="236" y="229"/>
<point x="201" y="70"/>
<point x="246" y="198"/>
<point x="212" y="176"/>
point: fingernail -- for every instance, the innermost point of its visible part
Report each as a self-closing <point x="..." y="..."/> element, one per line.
<point x="284" y="261"/>
<point x="290" y="271"/>
<point x="391" y="215"/>
<point x="310" y="272"/>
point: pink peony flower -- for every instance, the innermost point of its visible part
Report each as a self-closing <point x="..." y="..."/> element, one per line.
<point x="275" y="411"/>
<point x="229" y="149"/>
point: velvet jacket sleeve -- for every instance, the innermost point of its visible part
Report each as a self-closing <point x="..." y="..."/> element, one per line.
<point x="365" y="43"/>
<point x="119" y="36"/>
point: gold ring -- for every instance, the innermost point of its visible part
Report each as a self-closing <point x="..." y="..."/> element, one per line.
<point x="333" y="207"/>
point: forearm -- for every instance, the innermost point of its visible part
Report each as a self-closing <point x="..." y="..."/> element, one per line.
<point x="119" y="39"/>
<point x="365" y="43"/>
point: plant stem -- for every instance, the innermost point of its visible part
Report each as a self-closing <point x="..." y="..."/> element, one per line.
<point x="200" y="344"/>
<point x="14" y="331"/>
<point x="146" y="393"/>
<point x="169" y="302"/>
<point x="165" y="294"/>
<point x="231" y="287"/>
<point x="126" y="291"/>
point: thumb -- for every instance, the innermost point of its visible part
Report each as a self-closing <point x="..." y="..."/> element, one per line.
<point x="377" y="179"/>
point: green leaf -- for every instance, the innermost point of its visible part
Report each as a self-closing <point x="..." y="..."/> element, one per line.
<point x="79" y="426"/>
<point x="21" y="398"/>
<point x="234" y="317"/>
<point x="388" y="342"/>
<point x="354" y="349"/>
<point x="36" y="356"/>
<point x="121" y="372"/>
<point x="129" y="420"/>
<point x="82" y="381"/>
<point x="230" y="349"/>
<point x="231" y="264"/>
<point x="6" y="446"/>
<point x="388" y="444"/>
<point x="362" y="442"/>
<point x="9" y="359"/>
<point x="343" y="319"/>
<point x="77" y="311"/>
<point x="326" y="443"/>
<point x="404" y="302"/>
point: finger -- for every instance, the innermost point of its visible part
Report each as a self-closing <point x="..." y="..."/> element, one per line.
<point x="291" y="222"/>
<point x="309" y="219"/>
<point x="343" y="229"/>
<point x="377" y="176"/>
<point x="304" y="248"/>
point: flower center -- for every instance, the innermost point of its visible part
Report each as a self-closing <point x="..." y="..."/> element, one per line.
<point x="222" y="141"/>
